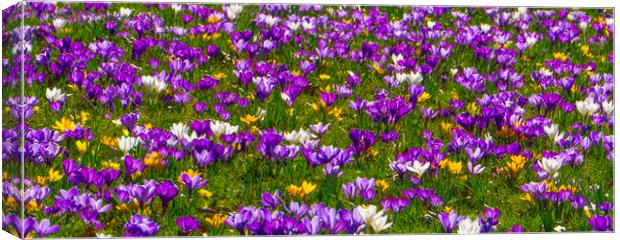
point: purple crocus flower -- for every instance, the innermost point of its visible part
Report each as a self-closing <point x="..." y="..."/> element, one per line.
<point x="188" y="224"/>
<point x="449" y="221"/>
<point x="361" y="140"/>
<point x="144" y="193"/>
<point x="349" y="190"/>
<point x="192" y="183"/>
<point x="390" y="136"/>
<point x="515" y="229"/>
<point x="600" y="223"/>
<point x="139" y="226"/>
<point x="271" y="201"/>
<point x="329" y="98"/>
<point x="166" y="191"/>
<point x="320" y="128"/>
<point x="44" y="228"/>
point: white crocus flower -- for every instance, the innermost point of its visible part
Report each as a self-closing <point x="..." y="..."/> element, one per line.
<point x="234" y="10"/>
<point x="271" y="20"/>
<point x="293" y="25"/>
<point x="418" y="168"/>
<point x="608" y="107"/>
<point x="221" y="128"/>
<point x="415" y="78"/>
<point x="469" y="226"/>
<point x="553" y="132"/>
<point x="551" y="165"/>
<point x="380" y="222"/>
<point x="125" y="12"/>
<point x="176" y="7"/>
<point x="54" y="94"/>
<point x="302" y="136"/>
<point x="180" y="130"/>
<point x="126" y="144"/>
<point x="59" y="23"/>
<point x="396" y="58"/>
<point x="587" y="107"/>
<point x="559" y="228"/>
<point x="153" y="83"/>
<point x="103" y="235"/>
<point x="377" y="220"/>
<point x="485" y="27"/>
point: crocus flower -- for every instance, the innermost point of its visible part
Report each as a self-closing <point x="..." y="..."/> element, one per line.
<point x="166" y="191"/>
<point x="469" y="226"/>
<point x="271" y="201"/>
<point x="601" y="223"/>
<point x="56" y="98"/>
<point x="44" y="228"/>
<point x="187" y="224"/>
<point x="551" y="165"/>
<point x="139" y="226"/>
<point x="449" y="221"/>
<point x="418" y="168"/>
<point x="192" y="183"/>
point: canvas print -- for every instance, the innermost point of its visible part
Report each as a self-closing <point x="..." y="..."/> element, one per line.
<point x="177" y="119"/>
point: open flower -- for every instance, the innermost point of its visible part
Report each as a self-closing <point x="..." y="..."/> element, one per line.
<point x="469" y="226"/>
<point x="126" y="144"/>
<point x="418" y="168"/>
<point x="587" y="107"/>
<point x="553" y="132"/>
<point x="188" y="224"/>
<point x="377" y="220"/>
<point x="551" y="165"/>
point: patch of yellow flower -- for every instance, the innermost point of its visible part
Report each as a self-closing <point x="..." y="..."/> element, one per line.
<point x="527" y="197"/>
<point x="560" y="55"/>
<point x="213" y="19"/>
<point x="249" y="119"/>
<point x="454" y="167"/>
<point x="324" y="77"/>
<point x="109" y="141"/>
<point x="10" y="201"/>
<point x="112" y="165"/>
<point x="53" y="175"/>
<point x="377" y="68"/>
<point x="372" y="151"/>
<point x="336" y="113"/>
<point x="64" y="125"/>
<point x="382" y="184"/>
<point x="473" y="108"/>
<point x="517" y="162"/>
<point x="220" y="76"/>
<point x="296" y="72"/>
<point x="455" y="95"/>
<point x="585" y="50"/>
<point x="587" y="212"/>
<point x="301" y="191"/>
<point x="84" y="116"/>
<point x="32" y="206"/>
<point x="424" y="97"/>
<point x="216" y="220"/>
<point x="446" y="127"/>
<point x="40" y="180"/>
<point x="81" y="146"/>
<point x="447" y="209"/>
<point x="154" y="160"/>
